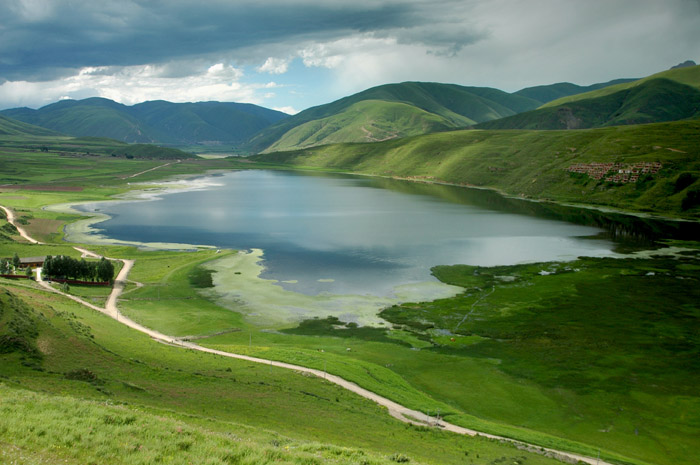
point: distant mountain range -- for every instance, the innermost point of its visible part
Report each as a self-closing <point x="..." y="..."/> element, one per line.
<point x="13" y="127"/>
<point x="152" y="122"/>
<point x="667" y="96"/>
<point x="385" y="112"/>
<point x="390" y="111"/>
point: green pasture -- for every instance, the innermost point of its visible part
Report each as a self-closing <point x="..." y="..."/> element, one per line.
<point x="47" y="429"/>
<point x="61" y="348"/>
<point x="601" y="352"/>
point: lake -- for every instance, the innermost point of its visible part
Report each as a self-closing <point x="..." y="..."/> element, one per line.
<point x="337" y="234"/>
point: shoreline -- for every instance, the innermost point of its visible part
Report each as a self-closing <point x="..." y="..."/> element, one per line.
<point x="238" y="286"/>
<point x="83" y="232"/>
<point x="600" y="208"/>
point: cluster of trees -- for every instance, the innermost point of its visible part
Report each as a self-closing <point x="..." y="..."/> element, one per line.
<point x="61" y="266"/>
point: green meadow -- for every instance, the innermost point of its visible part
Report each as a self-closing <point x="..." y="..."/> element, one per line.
<point x="132" y="396"/>
<point x="597" y="356"/>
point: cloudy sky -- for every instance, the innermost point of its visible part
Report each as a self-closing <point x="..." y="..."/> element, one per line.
<point x="293" y="54"/>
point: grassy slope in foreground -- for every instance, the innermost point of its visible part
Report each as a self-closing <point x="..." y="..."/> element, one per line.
<point x="39" y="428"/>
<point x="534" y="163"/>
<point x="61" y="348"/>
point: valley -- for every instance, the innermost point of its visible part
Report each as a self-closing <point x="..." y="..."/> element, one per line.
<point x="594" y="354"/>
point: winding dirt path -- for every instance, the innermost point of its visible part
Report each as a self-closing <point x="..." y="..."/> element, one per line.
<point x="11" y="219"/>
<point x="397" y="411"/>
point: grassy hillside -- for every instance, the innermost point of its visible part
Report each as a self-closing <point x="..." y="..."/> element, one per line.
<point x="108" y="392"/>
<point x="367" y="121"/>
<point x="536" y="164"/>
<point x="690" y="76"/>
<point x="654" y="100"/>
<point x="459" y="106"/>
<point x="13" y="127"/>
<point x="41" y="428"/>
<point x="96" y="117"/>
<point x="551" y="92"/>
<point x="151" y="122"/>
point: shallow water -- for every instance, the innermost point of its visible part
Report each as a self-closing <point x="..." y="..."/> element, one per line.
<point x="347" y="234"/>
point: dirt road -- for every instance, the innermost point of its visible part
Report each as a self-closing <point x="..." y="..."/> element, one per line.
<point x="11" y="219"/>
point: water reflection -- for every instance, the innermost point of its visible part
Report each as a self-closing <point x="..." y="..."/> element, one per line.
<point x="358" y="235"/>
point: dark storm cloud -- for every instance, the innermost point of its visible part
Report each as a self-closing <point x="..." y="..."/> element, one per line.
<point x="41" y="39"/>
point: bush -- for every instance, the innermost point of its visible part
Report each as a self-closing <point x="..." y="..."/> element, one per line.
<point x="399" y="458"/>
<point x="83" y="374"/>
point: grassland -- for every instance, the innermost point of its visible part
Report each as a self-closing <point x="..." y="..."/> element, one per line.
<point x="60" y="348"/>
<point x="598" y="351"/>
<point x="533" y="352"/>
<point x="689" y="76"/>
<point x="81" y="388"/>
<point x="368" y="120"/>
<point x="532" y="164"/>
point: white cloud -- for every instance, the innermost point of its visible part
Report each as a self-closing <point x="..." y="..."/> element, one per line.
<point x="274" y="66"/>
<point x="134" y="84"/>
<point x="287" y="110"/>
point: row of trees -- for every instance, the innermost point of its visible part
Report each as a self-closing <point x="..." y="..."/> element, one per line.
<point x="61" y="266"/>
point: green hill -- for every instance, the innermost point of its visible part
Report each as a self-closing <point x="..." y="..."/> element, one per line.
<point x="690" y="76"/>
<point x="202" y="122"/>
<point x="151" y="122"/>
<point x="13" y="127"/>
<point x="96" y="117"/>
<point x="375" y="120"/>
<point x="536" y="164"/>
<point x="551" y="92"/>
<point x="456" y="106"/>
<point x="654" y="100"/>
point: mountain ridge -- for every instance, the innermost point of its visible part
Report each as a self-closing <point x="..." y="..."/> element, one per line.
<point x="151" y="122"/>
<point x="653" y="101"/>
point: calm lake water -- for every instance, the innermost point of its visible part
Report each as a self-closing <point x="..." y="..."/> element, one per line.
<point x="352" y="235"/>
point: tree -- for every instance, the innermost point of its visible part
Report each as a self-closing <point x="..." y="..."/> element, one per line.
<point x="105" y="270"/>
<point x="48" y="266"/>
<point x="4" y="266"/>
<point x="83" y="269"/>
<point x="15" y="261"/>
<point x="29" y="272"/>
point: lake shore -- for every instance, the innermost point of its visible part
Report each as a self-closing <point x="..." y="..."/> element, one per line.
<point x="239" y="287"/>
<point x="84" y="231"/>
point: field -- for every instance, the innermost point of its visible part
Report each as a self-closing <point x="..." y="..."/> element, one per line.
<point x="593" y="356"/>
<point x="60" y="348"/>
